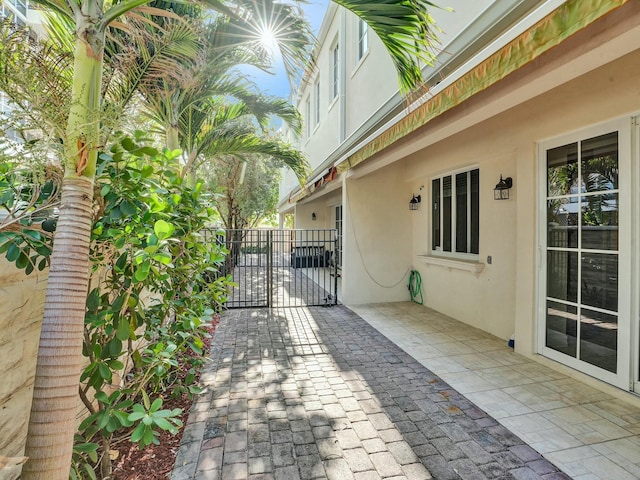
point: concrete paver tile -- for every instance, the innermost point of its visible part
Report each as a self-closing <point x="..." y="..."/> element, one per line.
<point x="365" y="430"/>
<point x="402" y="453"/>
<point x="385" y="464"/>
<point x="235" y="441"/>
<point x="306" y="393"/>
<point x="235" y="471"/>
<point x="416" y="471"/>
<point x="358" y="460"/>
<point x="328" y="448"/>
<point x="338" y="469"/>
<point x="310" y="466"/>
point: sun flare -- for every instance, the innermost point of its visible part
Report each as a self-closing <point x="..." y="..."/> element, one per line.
<point x="268" y="40"/>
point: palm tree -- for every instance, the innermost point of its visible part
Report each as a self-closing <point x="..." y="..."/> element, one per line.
<point x="191" y="104"/>
<point x="403" y="25"/>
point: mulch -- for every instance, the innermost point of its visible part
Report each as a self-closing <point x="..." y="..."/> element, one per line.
<point x="156" y="461"/>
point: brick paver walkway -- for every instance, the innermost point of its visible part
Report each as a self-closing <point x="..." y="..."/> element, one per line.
<point x="305" y="393"/>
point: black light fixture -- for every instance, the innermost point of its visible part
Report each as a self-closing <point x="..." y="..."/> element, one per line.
<point x="414" y="203"/>
<point x="501" y="192"/>
<point x="313" y="216"/>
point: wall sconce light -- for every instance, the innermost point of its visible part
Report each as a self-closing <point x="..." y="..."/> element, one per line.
<point x="313" y="216"/>
<point x="414" y="203"/>
<point x="501" y="192"/>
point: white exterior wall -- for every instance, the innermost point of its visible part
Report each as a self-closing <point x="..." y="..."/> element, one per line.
<point x="501" y="299"/>
<point x="377" y="257"/>
<point x="368" y="83"/>
<point x="590" y="79"/>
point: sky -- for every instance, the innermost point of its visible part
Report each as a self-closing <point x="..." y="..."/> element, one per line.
<point x="277" y="84"/>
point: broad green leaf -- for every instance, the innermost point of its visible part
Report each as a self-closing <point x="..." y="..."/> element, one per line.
<point x="85" y="447"/>
<point x="163" y="229"/>
<point x="138" y="433"/>
<point x="145" y="399"/>
<point x="93" y="300"/>
<point x="89" y="469"/>
<point x="148" y="436"/>
<point x="119" y="301"/>
<point x="157" y="403"/>
<point x="128" y="144"/>
<point x="142" y="272"/>
<point x="101" y="397"/>
<point x="113" y="348"/>
<point x="88" y="421"/>
<point x="124" y="329"/>
<point x="128" y="208"/>
<point x="164" y="424"/>
<point x="163" y="258"/>
<point x="13" y="253"/>
<point x="105" y="373"/>
<point x="32" y="233"/>
<point x="103" y="420"/>
<point x="23" y="260"/>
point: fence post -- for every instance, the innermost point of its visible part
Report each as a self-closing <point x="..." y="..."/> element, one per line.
<point x="269" y="268"/>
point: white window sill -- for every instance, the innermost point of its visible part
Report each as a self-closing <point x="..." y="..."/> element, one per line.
<point x="470" y="266"/>
<point x="359" y="63"/>
<point x="333" y="102"/>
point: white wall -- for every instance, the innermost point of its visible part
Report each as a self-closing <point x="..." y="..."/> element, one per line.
<point x="323" y="207"/>
<point x="501" y="298"/>
<point x="370" y="82"/>
<point x="377" y="225"/>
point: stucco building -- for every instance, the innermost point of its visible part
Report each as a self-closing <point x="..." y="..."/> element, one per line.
<point x="544" y="95"/>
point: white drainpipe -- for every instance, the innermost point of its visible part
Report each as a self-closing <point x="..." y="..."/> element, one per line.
<point x="342" y="73"/>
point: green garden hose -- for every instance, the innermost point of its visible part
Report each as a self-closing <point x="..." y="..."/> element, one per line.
<point x="415" y="287"/>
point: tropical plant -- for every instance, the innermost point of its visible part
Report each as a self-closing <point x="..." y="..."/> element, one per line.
<point x="155" y="283"/>
<point x="247" y="189"/>
<point x="247" y="193"/>
<point x="403" y="25"/>
<point x="190" y="106"/>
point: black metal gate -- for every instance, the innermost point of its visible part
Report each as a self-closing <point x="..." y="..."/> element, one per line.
<point x="281" y="268"/>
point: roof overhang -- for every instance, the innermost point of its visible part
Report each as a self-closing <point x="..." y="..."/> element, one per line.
<point x="551" y="31"/>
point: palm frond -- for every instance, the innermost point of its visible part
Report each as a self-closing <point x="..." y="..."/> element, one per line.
<point x="37" y="78"/>
<point x="233" y="141"/>
<point x="61" y="7"/>
<point x="406" y="29"/>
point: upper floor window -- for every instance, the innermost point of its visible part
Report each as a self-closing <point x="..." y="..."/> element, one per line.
<point x="363" y="38"/>
<point x="455" y="209"/>
<point x="20" y="6"/>
<point x="335" y="69"/>
<point x="6" y="109"/>
<point x="317" y="92"/>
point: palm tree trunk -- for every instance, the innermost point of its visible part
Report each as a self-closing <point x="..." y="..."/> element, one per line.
<point x="53" y="411"/>
<point x="55" y="394"/>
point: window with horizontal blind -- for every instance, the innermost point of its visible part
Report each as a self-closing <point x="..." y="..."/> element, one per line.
<point x="455" y="212"/>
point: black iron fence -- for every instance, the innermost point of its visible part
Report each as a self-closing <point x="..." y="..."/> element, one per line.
<point x="283" y="268"/>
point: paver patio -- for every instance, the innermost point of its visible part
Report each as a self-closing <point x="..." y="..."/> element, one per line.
<point x="305" y="393"/>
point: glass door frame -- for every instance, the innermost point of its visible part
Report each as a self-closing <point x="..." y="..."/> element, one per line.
<point x="635" y="249"/>
<point x="626" y="255"/>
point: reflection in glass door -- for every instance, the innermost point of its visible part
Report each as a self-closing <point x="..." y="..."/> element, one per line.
<point x="582" y="252"/>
